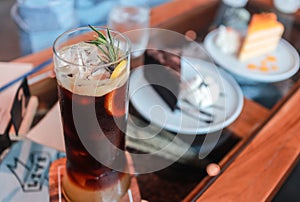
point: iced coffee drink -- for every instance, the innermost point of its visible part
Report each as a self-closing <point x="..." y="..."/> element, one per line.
<point x="92" y="70"/>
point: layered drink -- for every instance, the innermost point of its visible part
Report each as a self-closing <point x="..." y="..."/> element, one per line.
<point x="92" y="87"/>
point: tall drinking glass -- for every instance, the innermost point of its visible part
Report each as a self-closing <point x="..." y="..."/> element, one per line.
<point x="92" y="87"/>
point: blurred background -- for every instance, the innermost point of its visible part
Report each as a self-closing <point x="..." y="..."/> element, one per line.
<point x="28" y="26"/>
<point x="18" y="37"/>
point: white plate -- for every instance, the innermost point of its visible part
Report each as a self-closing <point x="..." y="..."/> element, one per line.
<point x="151" y="106"/>
<point x="287" y="61"/>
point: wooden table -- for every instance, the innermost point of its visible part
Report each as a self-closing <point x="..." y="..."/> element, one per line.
<point x="268" y="143"/>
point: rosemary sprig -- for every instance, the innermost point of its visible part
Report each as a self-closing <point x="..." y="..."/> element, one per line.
<point x="106" y="45"/>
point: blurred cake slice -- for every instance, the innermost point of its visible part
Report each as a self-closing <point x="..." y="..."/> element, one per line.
<point x="263" y="35"/>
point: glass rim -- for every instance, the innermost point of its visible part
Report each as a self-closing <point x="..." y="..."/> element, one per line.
<point x="126" y="52"/>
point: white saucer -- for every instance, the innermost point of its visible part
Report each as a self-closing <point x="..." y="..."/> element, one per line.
<point x="286" y="55"/>
<point x="151" y="106"/>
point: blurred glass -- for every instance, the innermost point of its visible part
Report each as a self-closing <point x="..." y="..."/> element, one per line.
<point x="132" y="20"/>
<point x="287" y="6"/>
<point x="93" y="12"/>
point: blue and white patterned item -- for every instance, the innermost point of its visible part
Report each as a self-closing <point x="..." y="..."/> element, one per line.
<point x="41" y="21"/>
<point x="24" y="172"/>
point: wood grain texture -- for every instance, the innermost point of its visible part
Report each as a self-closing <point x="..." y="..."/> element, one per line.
<point x="173" y="9"/>
<point x="264" y="164"/>
<point x="186" y="13"/>
<point x="252" y="117"/>
<point x="56" y="172"/>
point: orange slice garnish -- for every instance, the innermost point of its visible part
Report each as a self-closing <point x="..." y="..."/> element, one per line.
<point x="115" y="102"/>
<point x="119" y="69"/>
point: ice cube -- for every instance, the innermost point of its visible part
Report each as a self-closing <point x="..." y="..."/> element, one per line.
<point x="99" y="74"/>
<point x="82" y="54"/>
<point x="90" y="54"/>
<point x="84" y="59"/>
<point x="68" y="70"/>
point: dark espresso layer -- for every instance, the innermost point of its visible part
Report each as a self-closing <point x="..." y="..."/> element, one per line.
<point x="106" y="121"/>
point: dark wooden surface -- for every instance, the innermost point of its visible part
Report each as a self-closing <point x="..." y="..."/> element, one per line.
<point x="261" y="168"/>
